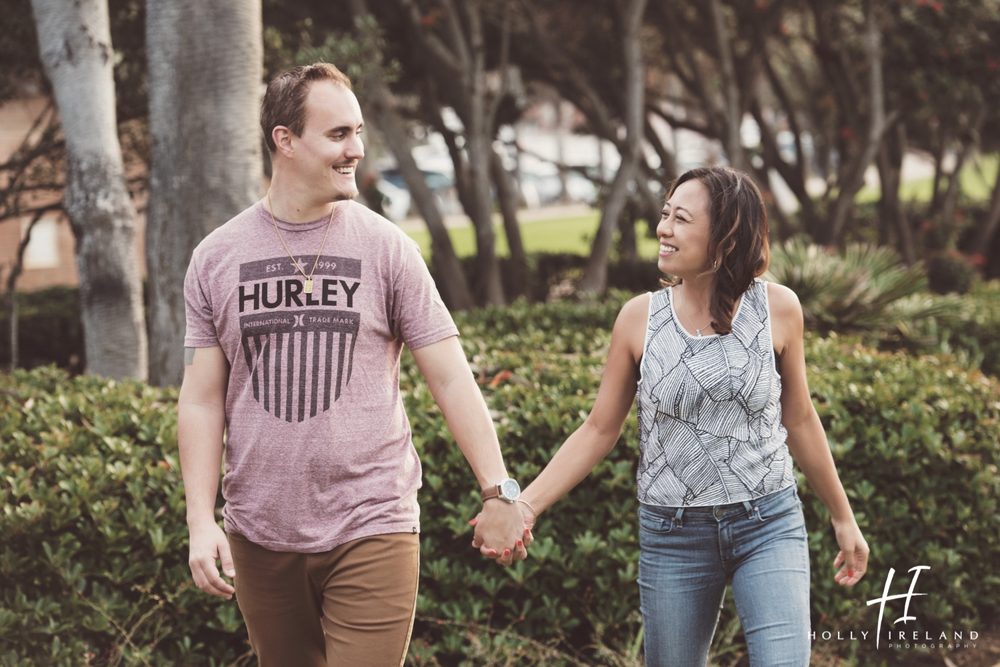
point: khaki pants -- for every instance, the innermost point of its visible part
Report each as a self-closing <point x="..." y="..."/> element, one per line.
<point x="351" y="606"/>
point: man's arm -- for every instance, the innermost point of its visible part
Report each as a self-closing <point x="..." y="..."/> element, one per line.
<point x="444" y="366"/>
<point x="201" y="418"/>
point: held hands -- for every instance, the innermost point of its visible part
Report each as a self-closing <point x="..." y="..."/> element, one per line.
<point x="503" y="531"/>
<point x="208" y="543"/>
<point x="852" y="559"/>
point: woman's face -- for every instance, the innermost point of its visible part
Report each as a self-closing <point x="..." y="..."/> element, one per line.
<point x="683" y="231"/>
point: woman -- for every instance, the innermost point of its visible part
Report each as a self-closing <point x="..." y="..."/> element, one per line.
<point x="716" y="362"/>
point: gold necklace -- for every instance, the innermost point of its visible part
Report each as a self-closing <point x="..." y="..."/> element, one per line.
<point x="309" y="279"/>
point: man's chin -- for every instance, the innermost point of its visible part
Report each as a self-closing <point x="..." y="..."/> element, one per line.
<point x="345" y="196"/>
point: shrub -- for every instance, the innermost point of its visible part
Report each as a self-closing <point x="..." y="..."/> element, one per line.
<point x="950" y="272"/>
<point x="94" y="562"/>
<point x="94" y="558"/>
<point x="49" y="329"/>
<point x="858" y="290"/>
<point x="966" y="328"/>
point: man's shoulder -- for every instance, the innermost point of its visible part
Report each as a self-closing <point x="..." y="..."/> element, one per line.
<point x="375" y="226"/>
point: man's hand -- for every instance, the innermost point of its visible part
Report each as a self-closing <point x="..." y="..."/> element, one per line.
<point x="208" y="543"/>
<point x="503" y="531"/>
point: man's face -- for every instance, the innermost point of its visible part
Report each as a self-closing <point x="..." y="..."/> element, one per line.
<point x="327" y="153"/>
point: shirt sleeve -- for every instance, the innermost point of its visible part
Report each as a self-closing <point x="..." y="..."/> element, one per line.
<point x="200" y="330"/>
<point x="419" y="316"/>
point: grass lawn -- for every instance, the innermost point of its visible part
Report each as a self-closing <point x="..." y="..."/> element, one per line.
<point x="574" y="234"/>
<point x="570" y="235"/>
<point x="977" y="178"/>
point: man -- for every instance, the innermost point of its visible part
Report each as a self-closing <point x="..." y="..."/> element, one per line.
<point x="297" y="310"/>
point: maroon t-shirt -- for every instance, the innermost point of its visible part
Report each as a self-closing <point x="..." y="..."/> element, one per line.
<point x="318" y="449"/>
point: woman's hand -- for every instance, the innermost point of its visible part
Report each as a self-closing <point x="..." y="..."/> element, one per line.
<point x="507" y="556"/>
<point x="852" y="559"/>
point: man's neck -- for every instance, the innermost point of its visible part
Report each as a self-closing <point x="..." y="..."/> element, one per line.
<point x="292" y="202"/>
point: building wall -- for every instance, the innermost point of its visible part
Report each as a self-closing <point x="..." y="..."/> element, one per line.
<point x="50" y="256"/>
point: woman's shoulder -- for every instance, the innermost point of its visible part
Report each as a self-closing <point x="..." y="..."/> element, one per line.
<point x="783" y="300"/>
<point x="636" y="309"/>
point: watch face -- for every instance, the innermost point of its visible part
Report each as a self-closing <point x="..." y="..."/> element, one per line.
<point x="509" y="489"/>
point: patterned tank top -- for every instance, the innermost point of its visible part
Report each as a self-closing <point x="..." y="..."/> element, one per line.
<point x="709" y="407"/>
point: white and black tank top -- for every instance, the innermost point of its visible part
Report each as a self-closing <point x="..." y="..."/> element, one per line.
<point x="709" y="407"/>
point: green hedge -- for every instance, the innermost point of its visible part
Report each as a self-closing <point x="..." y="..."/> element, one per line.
<point x="49" y="329"/>
<point x="94" y="541"/>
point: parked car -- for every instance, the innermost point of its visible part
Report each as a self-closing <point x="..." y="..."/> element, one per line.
<point x="398" y="202"/>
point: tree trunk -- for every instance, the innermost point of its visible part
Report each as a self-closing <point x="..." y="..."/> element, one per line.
<point x="206" y="157"/>
<point x="950" y="201"/>
<point x="75" y="46"/>
<point x="453" y="284"/>
<point x="891" y="211"/>
<point x="595" y="274"/>
<point x="507" y="195"/>
<point x="464" y="63"/>
<point x="452" y="281"/>
<point x="628" y="252"/>
<point x="854" y="175"/>
<point x="478" y="137"/>
<point x="732" y="108"/>
<point x="15" y="273"/>
<point x="940" y="150"/>
<point x="984" y="240"/>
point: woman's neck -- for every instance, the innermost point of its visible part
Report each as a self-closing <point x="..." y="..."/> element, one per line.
<point x="697" y="291"/>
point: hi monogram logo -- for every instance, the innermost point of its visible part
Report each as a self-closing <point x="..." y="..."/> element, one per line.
<point x="908" y="596"/>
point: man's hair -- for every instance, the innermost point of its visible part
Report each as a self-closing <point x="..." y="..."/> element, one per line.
<point x="285" y="99"/>
<point x="738" y="236"/>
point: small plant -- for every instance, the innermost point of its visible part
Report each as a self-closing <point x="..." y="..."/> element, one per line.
<point x="949" y="272"/>
<point x="862" y="289"/>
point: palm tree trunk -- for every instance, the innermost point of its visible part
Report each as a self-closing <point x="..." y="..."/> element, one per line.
<point x="75" y="45"/>
<point x="205" y="62"/>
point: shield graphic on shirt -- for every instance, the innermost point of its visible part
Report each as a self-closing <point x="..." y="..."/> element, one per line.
<point x="299" y="361"/>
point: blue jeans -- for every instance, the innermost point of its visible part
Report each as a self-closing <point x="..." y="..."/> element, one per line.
<point x="688" y="554"/>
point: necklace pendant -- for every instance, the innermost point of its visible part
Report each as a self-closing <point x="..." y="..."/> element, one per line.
<point x="309" y="286"/>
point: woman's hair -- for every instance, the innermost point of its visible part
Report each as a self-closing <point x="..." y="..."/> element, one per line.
<point x="738" y="237"/>
<point x="284" y="100"/>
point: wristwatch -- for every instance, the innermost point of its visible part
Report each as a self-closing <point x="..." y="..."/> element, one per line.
<point x="506" y="490"/>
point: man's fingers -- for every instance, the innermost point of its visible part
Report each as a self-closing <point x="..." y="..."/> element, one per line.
<point x="207" y="578"/>
<point x="839" y="559"/>
<point x="226" y="557"/>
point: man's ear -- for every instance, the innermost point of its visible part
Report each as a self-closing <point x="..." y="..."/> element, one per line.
<point x="282" y="137"/>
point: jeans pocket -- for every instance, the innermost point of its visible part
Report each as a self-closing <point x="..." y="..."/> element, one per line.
<point x="654" y="523"/>
<point x="784" y="507"/>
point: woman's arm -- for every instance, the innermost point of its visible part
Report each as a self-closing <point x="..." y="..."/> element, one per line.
<point x="806" y="437"/>
<point x="597" y="436"/>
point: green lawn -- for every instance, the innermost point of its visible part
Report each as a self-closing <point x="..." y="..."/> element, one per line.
<point x="570" y="235"/>
<point x="977" y="178"/>
<point x="575" y="234"/>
